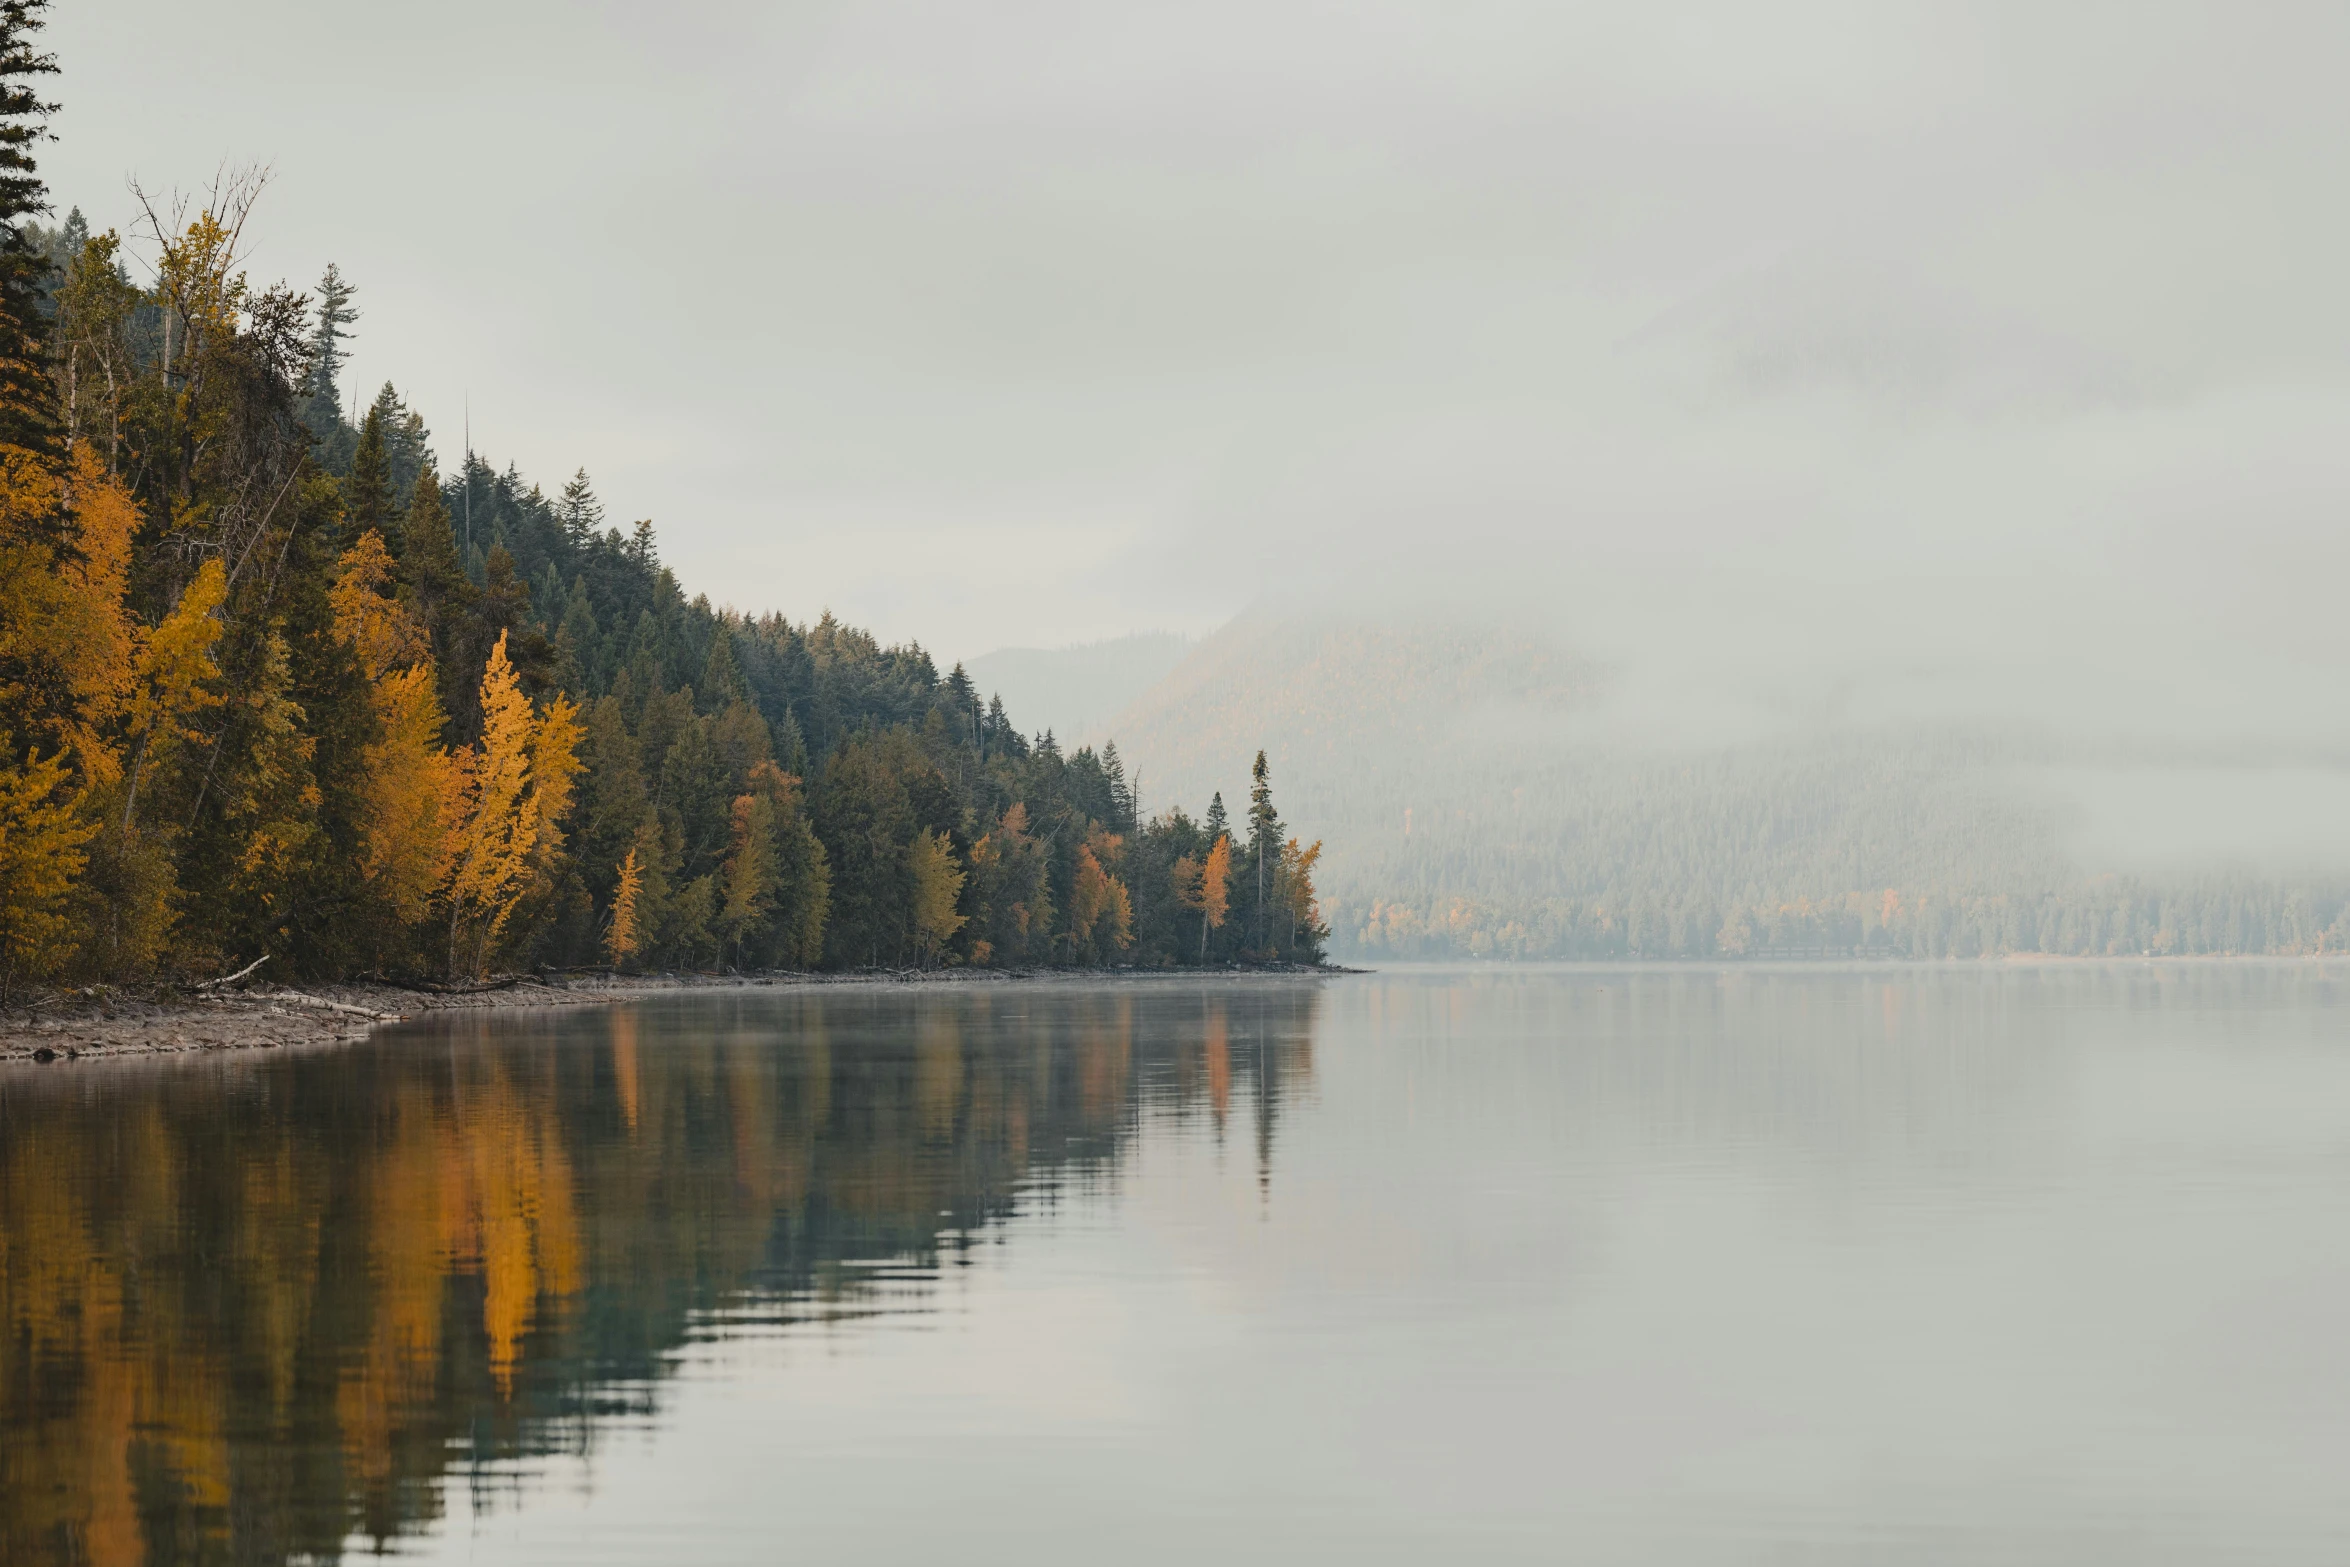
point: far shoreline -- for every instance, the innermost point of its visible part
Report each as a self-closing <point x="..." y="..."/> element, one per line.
<point x="106" y="1023"/>
<point x="110" y="1023"/>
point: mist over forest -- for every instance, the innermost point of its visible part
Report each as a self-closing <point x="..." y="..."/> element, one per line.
<point x="1488" y="791"/>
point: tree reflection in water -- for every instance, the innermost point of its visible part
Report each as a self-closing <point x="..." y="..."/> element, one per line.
<point x="249" y="1307"/>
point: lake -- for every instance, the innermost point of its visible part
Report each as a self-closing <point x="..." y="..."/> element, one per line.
<point x="1676" y="1265"/>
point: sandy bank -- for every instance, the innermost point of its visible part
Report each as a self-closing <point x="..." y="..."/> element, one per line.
<point x="74" y="1025"/>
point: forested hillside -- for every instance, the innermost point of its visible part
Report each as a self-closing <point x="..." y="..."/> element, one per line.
<point x="274" y="682"/>
<point x="1485" y="801"/>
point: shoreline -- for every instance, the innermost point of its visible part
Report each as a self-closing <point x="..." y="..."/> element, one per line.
<point x="104" y="1023"/>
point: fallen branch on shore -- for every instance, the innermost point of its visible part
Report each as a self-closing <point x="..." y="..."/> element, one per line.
<point x="303" y="999"/>
<point x="230" y="979"/>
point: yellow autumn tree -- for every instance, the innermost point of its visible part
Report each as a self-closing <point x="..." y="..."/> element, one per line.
<point x="1183" y="880"/>
<point x="93" y="636"/>
<point x="1101" y="912"/>
<point x="622" y="938"/>
<point x="748" y="878"/>
<point x="384" y="632"/>
<point x="554" y="766"/>
<point x="938" y="884"/>
<point x="1294" y="893"/>
<point x="507" y="796"/>
<point x="71" y="653"/>
<point x="408" y="843"/>
<point x="41" y="838"/>
<point x="1215" y="891"/>
<point x="172" y="682"/>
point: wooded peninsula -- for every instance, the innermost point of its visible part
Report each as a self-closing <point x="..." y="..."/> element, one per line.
<point x="275" y="683"/>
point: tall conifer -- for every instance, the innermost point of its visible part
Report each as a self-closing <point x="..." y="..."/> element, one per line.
<point x="28" y="399"/>
<point x="1264" y="842"/>
<point x="580" y="513"/>
<point x="322" y="398"/>
<point x="367" y="489"/>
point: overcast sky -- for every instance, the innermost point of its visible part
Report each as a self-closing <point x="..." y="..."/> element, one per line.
<point x="2014" y="333"/>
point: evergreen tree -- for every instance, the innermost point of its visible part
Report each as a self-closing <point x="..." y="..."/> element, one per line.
<point x="722" y="681"/>
<point x="502" y="608"/>
<point x="580" y="513"/>
<point x="439" y="594"/>
<point x="1121" y="794"/>
<point x="407" y="445"/>
<point x="28" y="398"/>
<point x="963" y="701"/>
<point x="368" y="499"/>
<point x="1264" y="850"/>
<point x="322" y="397"/>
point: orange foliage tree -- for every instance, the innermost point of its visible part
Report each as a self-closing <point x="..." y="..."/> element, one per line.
<point x="506" y="797"/>
<point x="408" y="845"/>
<point x="1101" y="913"/>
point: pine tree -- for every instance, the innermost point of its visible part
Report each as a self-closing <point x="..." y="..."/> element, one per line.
<point x="322" y="398"/>
<point x="28" y="398"/>
<point x="428" y="557"/>
<point x="1002" y="738"/>
<point x="963" y="701"/>
<point x="580" y="513"/>
<point x="438" y="594"/>
<point x="368" y="497"/>
<point x="408" y="450"/>
<point x="1121" y="794"/>
<point x="1264" y="846"/>
<point x="722" y="680"/>
<point x="791" y="747"/>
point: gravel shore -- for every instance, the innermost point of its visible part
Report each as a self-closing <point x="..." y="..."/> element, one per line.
<point x="110" y="1021"/>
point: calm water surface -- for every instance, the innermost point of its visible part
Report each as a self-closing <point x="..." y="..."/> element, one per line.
<point x="1676" y="1266"/>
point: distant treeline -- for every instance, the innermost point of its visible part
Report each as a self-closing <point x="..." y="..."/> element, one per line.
<point x="2108" y="917"/>
<point x="1913" y="845"/>
<point x="271" y="682"/>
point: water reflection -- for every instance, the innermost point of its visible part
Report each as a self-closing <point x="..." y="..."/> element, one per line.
<point x="251" y="1308"/>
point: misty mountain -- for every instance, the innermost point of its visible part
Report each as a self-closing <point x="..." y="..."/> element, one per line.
<point x="1484" y="790"/>
<point x="1072" y="691"/>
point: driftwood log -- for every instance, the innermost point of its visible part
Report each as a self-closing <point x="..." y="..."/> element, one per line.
<point x="230" y="979"/>
<point x="301" y="999"/>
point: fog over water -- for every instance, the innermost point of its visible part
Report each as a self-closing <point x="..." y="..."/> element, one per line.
<point x="1827" y="365"/>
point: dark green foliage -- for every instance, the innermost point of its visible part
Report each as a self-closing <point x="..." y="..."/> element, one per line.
<point x="28" y="398"/>
<point x="367" y="486"/>
<point x="322" y="399"/>
<point x="1263" y="854"/>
